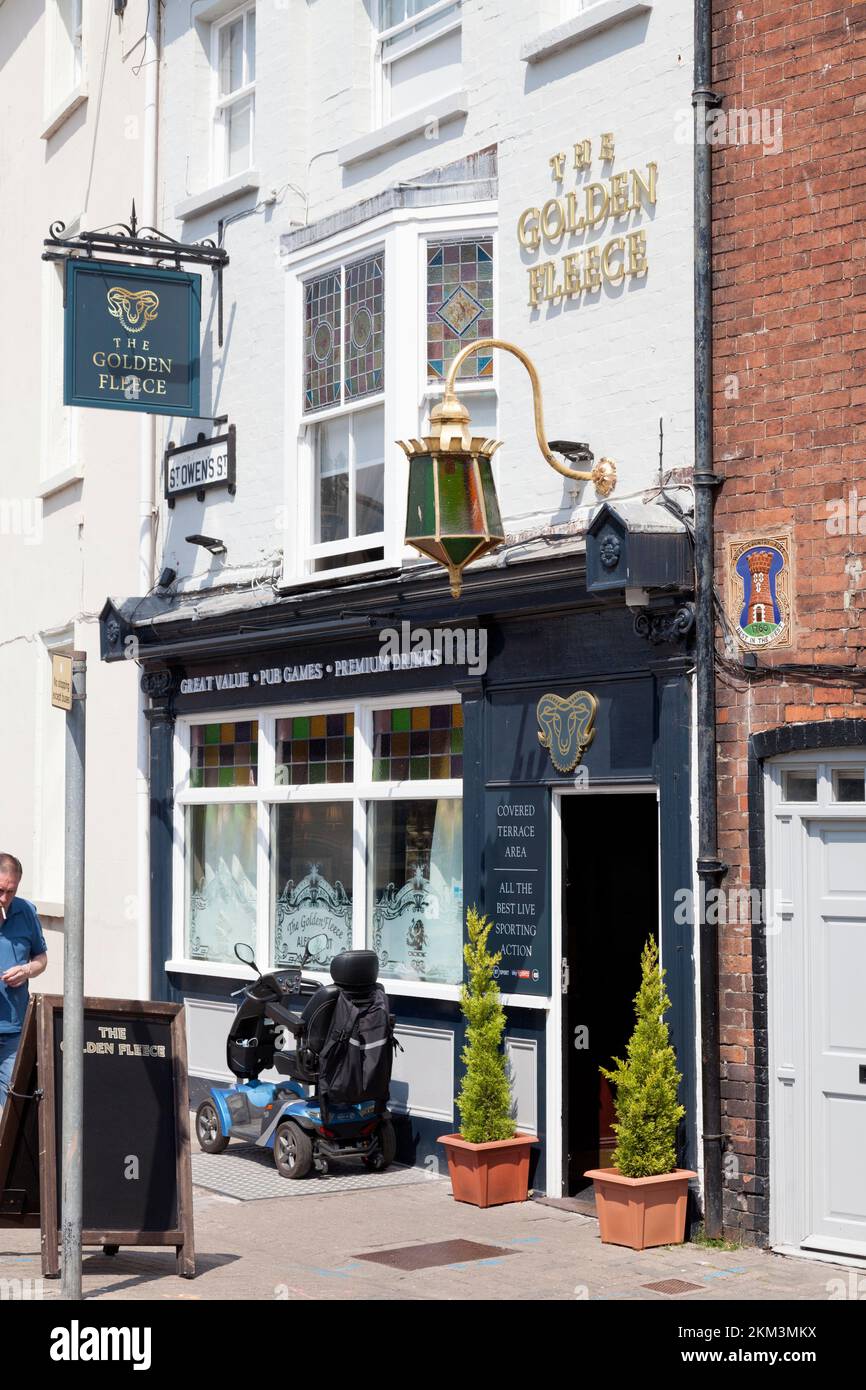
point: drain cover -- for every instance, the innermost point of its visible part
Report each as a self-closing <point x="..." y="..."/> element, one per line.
<point x="440" y="1252"/>
<point x="673" y="1286"/>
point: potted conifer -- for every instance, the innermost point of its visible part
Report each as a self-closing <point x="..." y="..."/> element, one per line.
<point x="641" y="1201"/>
<point x="488" y="1163"/>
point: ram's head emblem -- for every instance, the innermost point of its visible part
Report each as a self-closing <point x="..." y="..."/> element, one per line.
<point x="566" y="727"/>
<point x="135" y="308"/>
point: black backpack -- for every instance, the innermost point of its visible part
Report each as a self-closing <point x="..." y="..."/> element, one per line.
<point x="355" y="1062"/>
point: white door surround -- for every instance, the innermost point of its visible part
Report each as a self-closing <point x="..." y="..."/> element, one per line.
<point x="816" y="968"/>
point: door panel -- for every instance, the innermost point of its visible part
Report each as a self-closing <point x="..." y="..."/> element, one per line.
<point x="835" y="952"/>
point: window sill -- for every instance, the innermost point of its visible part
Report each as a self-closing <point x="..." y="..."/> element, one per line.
<point x="77" y="97"/>
<point x="219" y="193"/>
<point x="603" y="15"/>
<point x="56" y="482"/>
<point x="447" y="108"/>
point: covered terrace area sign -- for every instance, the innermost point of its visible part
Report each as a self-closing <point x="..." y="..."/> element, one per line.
<point x="132" y="338"/>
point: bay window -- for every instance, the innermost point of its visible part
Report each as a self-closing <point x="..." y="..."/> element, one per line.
<point x="316" y="830"/>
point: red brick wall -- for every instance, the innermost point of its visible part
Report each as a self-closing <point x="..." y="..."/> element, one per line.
<point x="790" y="435"/>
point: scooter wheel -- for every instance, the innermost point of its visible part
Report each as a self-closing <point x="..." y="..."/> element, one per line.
<point x="387" y="1151"/>
<point x="208" y="1130"/>
<point x="293" y="1151"/>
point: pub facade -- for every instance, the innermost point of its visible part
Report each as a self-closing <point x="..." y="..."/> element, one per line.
<point x="343" y="752"/>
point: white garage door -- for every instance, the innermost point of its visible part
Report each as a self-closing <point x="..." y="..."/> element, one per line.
<point x="817" y="980"/>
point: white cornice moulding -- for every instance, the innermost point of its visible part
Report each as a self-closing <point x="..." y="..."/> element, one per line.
<point x="603" y="15"/>
<point x="62" y="113"/>
<point x="247" y="182"/>
<point x="447" y="108"/>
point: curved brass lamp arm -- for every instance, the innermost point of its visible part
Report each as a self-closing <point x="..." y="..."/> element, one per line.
<point x="604" y="472"/>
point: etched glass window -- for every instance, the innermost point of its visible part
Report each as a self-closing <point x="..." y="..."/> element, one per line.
<point x="220" y="879"/>
<point x="311" y="882"/>
<point x="459" y="306"/>
<point x="224" y="755"/>
<point x="415" y="888"/>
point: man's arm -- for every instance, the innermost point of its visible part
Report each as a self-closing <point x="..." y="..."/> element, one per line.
<point x="37" y="964"/>
<point x="20" y="973"/>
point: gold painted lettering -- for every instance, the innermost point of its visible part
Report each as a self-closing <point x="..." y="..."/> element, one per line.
<point x="552" y="221"/>
<point x="619" y="195"/>
<point x="557" y="165"/>
<point x="572" y="282"/>
<point x="571" y="212"/>
<point x="592" y="273"/>
<point x="528" y="236"/>
<point x="596" y="215"/>
<point x="637" y="261"/>
<point x="536" y="284"/>
<point x="583" y="154"/>
<point x="641" y="189"/>
<point x="607" y="149"/>
<point x="614" y="276"/>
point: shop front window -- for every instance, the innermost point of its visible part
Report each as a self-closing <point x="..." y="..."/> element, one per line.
<point x="220" y="879"/>
<point x="311" y="884"/>
<point x="415" y="888"/>
<point x="353" y="818"/>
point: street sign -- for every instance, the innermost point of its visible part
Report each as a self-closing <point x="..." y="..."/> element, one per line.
<point x="132" y="338"/>
<point x="61" y="681"/>
<point x="195" y="467"/>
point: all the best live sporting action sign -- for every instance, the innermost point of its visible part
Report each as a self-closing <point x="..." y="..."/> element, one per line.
<point x="132" y="338"/>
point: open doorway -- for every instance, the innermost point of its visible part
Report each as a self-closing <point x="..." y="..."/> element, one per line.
<point x="610" y="906"/>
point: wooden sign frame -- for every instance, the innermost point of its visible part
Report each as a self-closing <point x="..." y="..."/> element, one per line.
<point x="35" y="1068"/>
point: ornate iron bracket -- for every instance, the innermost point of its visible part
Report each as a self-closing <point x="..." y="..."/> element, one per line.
<point x="666" y="625"/>
<point x="130" y="241"/>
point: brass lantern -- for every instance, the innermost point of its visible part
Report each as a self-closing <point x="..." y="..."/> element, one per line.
<point x="453" y="511"/>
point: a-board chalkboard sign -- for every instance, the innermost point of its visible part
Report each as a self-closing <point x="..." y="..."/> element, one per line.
<point x="137" y="1177"/>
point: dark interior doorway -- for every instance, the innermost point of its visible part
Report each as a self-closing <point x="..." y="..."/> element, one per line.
<point x="610" y="907"/>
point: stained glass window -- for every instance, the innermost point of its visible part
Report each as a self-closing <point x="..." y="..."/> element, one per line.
<point x="459" y="305"/>
<point x="315" y="749"/>
<point x="322" y="341"/>
<point x="224" y="755"/>
<point x="416" y="743"/>
<point x="365" y="327"/>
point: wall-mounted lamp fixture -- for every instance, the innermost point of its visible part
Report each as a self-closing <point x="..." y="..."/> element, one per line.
<point x="453" y="511"/>
<point x="210" y="543"/>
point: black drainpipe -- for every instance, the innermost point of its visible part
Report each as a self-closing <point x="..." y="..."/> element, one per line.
<point x="709" y="866"/>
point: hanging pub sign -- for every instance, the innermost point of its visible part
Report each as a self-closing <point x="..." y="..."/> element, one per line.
<point x="195" y="467"/>
<point x="132" y="338"/>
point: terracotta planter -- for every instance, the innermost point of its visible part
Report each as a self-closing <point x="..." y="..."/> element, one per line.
<point x="489" y="1174"/>
<point x="640" y="1212"/>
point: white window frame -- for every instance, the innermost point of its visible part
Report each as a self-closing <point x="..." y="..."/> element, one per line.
<point x="451" y="12"/>
<point x="221" y="106"/>
<point x="407" y="398"/>
<point x="57" y="104"/>
<point x="268" y="793"/>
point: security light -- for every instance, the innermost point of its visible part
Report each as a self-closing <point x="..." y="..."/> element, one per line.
<point x="210" y="543"/>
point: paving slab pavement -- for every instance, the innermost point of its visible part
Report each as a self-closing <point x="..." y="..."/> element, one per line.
<point x="308" y="1249"/>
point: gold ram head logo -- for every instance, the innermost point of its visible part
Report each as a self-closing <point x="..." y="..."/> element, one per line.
<point x="135" y="308"/>
<point x="566" y="727"/>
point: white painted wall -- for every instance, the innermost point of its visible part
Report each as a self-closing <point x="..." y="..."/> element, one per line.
<point x="56" y="572"/>
<point x="610" y="367"/>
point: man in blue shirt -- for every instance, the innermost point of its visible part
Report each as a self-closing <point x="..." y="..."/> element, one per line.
<point x="23" y="955"/>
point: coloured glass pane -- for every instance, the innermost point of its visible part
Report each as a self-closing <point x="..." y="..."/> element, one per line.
<point x="417" y="743"/>
<point x="314" y="751"/>
<point x="365" y="327"/>
<point x="322" y="341"/>
<point x="459" y="305"/>
<point x="224" y="755"/>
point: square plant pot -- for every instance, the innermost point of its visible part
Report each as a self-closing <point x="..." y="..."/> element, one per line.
<point x="640" y="1212"/>
<point x="488" y="1175"/>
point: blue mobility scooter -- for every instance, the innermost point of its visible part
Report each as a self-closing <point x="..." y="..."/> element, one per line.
<point x="312" y="1114"/>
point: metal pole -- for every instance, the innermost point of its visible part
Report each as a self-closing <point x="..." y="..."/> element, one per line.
<point x="709" y="866"/>
<point x="73" y="986"/>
